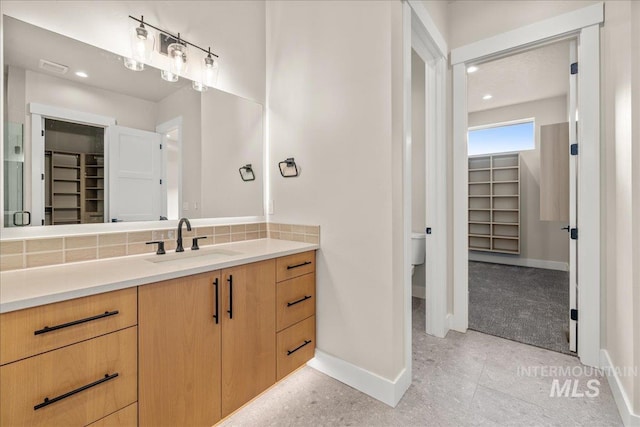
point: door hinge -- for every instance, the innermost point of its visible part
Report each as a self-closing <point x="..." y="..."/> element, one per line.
<point x="574" y="234"/>
<point x="574" y="68"/>
<point x="574" y="149"/>
<point x="160" y="182"/>
<point x="42" y="133"/>
<point x="574" y="314"/>
<point x="42" y="221"/>
<point x="161" y="146"/>
<point x="42" y="175"/>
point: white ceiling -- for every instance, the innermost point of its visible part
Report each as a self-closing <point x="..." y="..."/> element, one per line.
<point x="535" y="74"/>
<point x="25" y="45"/>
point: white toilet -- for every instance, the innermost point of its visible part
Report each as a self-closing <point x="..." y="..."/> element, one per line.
<point x="417" y="250"/>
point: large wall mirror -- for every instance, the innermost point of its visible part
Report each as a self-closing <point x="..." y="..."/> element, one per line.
<point x="87" y="140"/>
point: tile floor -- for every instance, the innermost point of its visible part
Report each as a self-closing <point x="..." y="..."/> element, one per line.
<point x="462" y="380"/>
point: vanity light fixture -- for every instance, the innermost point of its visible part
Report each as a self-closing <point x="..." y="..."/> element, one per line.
<point x="142" y="44"/>
<point x="288" y="168"/>
<point x="472" y="69"/>
<point x="175" y="47"/>
<point x="487" y="97"/>
<point x="82" y="74"/>
<point x="246" y="173"/>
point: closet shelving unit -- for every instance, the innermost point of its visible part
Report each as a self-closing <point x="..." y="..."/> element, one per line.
<point x="494" y="203"/>
<point x="93" y="180"/>
<point x="74" y="187"/>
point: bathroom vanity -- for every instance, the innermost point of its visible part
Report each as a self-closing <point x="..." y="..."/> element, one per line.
<point x="149" y="341"/>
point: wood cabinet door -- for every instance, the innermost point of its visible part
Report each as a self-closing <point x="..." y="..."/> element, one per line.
<point x="248" y="332"/>
<point x="179" y="352"/>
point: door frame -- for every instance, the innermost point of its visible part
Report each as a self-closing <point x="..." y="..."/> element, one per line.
<point x="162" y="129"/>
<point x="428" y="43"/>
<point x="585" y="24"/>
<point x="39" y="112"/>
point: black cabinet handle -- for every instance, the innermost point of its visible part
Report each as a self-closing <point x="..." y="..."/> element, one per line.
<point x="48" y="401"/>
<point x="230" y="311"/>
<point x="215" y="316"/>
<point x="75" y="322"/>
<point x="298" y="301"/>
<point x="289" y="267"/>
<point x="290" y="352"/>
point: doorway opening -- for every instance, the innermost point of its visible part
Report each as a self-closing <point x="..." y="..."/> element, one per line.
<point x="74" y="175"/>
<point x="519" y="110"/>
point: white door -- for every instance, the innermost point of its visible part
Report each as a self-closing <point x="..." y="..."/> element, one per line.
<point x="573" y="204"/>
<point x="135" y="172"/>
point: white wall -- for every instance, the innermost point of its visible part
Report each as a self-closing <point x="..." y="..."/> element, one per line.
<point x="335" y="104"/>
<point x="539" y="240"/>
<point x="185" y="103"/>
<point x="232" y="137"/>
<point x="621" y="261"/>
<point x="233" y="29"/>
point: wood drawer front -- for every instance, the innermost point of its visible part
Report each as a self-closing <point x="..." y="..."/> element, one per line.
<point x="17" y="328"/>
<point x="291" y="266"/>
<point x="26" y="383"/>
<point x="125" y="417"/>
<point x="292" y="351"/>
<point x="296" y="299"/>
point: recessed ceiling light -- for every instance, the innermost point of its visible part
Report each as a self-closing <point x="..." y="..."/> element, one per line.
<point x="82" y="74"/>
<point x="472" y="69"/>
<point x="487" y="97"/>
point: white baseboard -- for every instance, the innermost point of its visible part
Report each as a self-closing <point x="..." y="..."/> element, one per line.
<point x="521" y="262"/>
<point x="419" y="291"/>
<point x="619" y="394"/>
<point x="386" y="391"/>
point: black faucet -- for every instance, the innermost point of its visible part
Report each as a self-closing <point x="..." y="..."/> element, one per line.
<point x="179" y="247"/>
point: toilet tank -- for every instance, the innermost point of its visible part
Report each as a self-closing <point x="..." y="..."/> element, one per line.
<point x="417" y="248"/>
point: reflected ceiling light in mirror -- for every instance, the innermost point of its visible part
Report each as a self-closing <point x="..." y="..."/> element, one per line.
<point x="168" y="76"/>
<point x="133" y="65"/>
<point x="199" y="86"/>
<point x="472" y="69"/>
<point x="142" y="43"/>
<point x="487" y="97"/>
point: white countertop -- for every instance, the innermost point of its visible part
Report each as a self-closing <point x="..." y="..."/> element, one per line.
<point x="44" y="285"/>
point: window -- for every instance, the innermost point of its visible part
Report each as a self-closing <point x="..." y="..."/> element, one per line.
<point x="502" y="138"/>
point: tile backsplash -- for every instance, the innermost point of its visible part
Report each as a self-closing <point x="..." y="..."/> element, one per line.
<point x="27" y="253"/>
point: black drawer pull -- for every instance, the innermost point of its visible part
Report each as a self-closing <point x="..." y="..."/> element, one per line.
<point x="48" y="401"/>
<point x="306" y="297"/>
<point x="75" y="322"/>
<point x="230" y="311"/>
<point x="290" y="352"/>
<point x="289" y="267"/>
<point x="215" y="316"/>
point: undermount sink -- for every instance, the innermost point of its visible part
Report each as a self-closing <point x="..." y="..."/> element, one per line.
<point x="177" y="258"/>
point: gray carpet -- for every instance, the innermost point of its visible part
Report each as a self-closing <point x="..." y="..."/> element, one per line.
<point x="528" y="305"/>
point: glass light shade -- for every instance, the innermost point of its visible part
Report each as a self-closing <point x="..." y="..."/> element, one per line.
<point x="210" y="70"/>
<point x="177" y="53"/>
<point x="168" y="76"/>
<point x="142" y="43"/>
<point x="199" y="86"/>
<point x="134" y="65"/>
